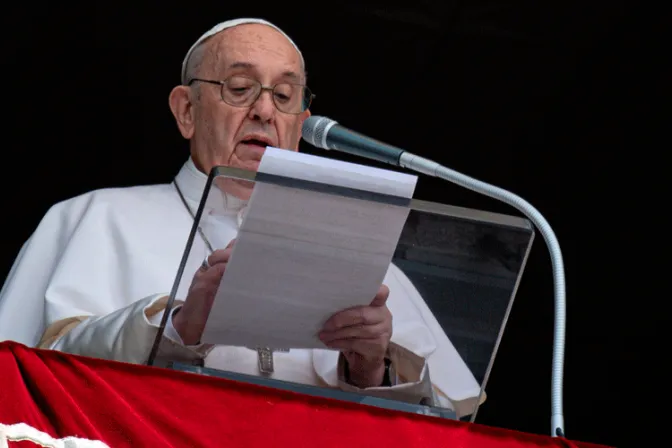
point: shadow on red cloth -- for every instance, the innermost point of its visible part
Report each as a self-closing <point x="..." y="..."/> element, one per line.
<point x="130" y="405"/>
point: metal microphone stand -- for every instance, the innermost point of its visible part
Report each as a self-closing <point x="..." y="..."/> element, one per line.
<point x="428" y="167"/>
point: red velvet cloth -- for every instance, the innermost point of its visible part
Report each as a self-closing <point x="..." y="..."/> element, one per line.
<point x="130" y="405"/>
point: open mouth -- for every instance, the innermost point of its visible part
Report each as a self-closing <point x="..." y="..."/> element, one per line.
<point x="255" y="142"/>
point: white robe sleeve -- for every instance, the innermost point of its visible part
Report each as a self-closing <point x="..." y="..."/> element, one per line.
<point x="127" y="335"/>
<point x="22" y="317"/>
<point x="75" y="285"/>
<point x="454" y="384"/>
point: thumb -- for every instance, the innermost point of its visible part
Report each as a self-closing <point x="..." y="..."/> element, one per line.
<point x="231" y="243"/>
<point x="381" y="296"/>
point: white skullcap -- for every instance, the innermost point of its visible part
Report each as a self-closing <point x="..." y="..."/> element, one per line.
<point x="229" y="24"/>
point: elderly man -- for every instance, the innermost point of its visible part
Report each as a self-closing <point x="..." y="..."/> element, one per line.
<point x="92" y="278"/>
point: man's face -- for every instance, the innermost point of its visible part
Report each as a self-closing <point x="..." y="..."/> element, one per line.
<point x="236" y="136"/>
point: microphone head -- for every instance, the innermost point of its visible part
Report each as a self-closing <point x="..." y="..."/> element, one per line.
<point x="314" y="130"/>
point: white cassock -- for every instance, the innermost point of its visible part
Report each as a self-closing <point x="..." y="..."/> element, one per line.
<point x="93" y="280"/>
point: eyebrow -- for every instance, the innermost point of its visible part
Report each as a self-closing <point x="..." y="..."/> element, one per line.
<point x="247" y="65"/>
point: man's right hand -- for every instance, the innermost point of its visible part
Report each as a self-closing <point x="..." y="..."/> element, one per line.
<point x="189" y="321"/>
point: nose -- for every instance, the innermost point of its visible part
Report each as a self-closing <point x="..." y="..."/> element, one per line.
<point x="263" y="109"/>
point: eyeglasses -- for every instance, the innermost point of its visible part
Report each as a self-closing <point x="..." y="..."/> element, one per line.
<point x="241" y="91"/>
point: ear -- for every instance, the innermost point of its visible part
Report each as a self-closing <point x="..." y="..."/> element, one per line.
<point x="182" y="108"/>
<point x="303" y="117"/>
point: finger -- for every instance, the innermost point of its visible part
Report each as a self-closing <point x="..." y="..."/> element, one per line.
<point x="231" y="243"/>
<point x="368" y="348"/>
<point x="210" y="276"/>
<point x="215" y="272"/>
<point x="220" y="256"/>
<point x="381" y="297"/>
<point x="361" y="315"/>
<point x="382" y="329"/>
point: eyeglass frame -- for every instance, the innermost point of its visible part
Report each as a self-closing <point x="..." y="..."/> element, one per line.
<point x="262" y="88"/>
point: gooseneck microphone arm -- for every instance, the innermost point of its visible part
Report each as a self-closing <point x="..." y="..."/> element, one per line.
<point x="325" y="133"/>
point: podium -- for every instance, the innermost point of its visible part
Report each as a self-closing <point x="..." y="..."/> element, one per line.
<point x="459" y="267"/>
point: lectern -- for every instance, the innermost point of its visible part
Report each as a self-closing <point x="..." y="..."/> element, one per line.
<point x="461" y="268"/>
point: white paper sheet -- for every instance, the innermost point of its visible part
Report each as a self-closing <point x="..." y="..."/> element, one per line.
<point x="301" y="256"/>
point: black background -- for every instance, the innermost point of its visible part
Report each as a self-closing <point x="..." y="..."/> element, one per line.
<point x="557" y="103"/>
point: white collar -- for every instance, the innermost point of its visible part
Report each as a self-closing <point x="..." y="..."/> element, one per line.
<point x="192" y="182"/>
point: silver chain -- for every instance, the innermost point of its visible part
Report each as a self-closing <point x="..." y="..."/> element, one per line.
<point x="193" y="217"/>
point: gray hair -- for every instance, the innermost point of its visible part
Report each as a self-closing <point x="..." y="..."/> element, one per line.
<point x="194" y="67"/>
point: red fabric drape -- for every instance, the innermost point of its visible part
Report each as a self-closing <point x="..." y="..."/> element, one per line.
<point x="130" y="405"/>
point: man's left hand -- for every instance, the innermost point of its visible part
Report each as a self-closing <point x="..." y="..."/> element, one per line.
<point x="363" y="335"/>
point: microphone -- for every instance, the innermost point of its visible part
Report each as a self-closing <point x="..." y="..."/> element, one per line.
<point x="325" y="133"/>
